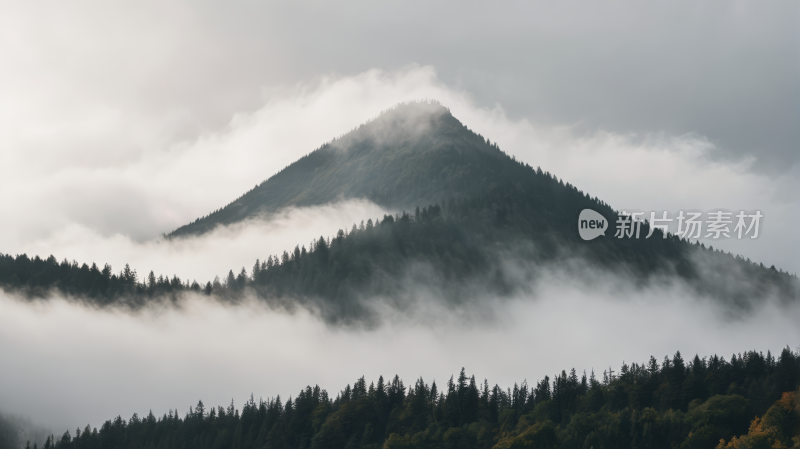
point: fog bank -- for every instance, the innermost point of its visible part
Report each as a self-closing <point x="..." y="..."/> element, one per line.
<point x="212" y="254"/>
<point x="66" y="365"/>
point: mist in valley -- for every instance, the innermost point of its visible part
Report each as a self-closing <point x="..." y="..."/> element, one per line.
<point x="67" y="364"/>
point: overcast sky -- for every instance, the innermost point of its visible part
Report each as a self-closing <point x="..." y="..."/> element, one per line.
<point x="122" y="121"/>
<point x="115" y="115"/>
<point x="725" y="69"/>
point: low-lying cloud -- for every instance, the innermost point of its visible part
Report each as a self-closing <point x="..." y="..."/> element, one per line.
<point x="67" y="365"/>
<point x="212" y="254"/>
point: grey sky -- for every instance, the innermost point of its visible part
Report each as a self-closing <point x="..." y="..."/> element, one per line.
<point x="727" y="70"/>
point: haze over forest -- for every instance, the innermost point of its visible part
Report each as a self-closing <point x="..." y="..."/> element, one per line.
<point x="479" y="224"/>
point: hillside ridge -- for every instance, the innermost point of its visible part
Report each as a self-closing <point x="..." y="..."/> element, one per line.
<point x="413" y="154"/>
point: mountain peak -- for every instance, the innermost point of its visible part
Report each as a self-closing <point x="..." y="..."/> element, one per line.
<point x="410" y="154"/>
<point x="403" y="122"/>
<point x="409" y="110"/>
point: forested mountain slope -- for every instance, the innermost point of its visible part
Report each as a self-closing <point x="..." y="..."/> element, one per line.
<point x="492" y="227"/>
<point x="413" y="155"/>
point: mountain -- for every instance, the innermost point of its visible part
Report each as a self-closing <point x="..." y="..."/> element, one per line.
<point x="418" y="154"/>
<point x="472" y="224"/>
<point x="412" y="155"/>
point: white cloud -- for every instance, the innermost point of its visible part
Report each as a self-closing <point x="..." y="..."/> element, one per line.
<point x="68" y="365"/>
<point x="201" y="259"/>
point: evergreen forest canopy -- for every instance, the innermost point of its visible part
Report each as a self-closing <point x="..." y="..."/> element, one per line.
<point x="750" y="401"/>
<point x="473" y="212"/>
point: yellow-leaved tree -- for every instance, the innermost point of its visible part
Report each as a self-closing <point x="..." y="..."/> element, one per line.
<point x="779" y="428"/>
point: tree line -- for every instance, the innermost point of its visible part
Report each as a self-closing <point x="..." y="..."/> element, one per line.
<point x="751" y="400"/>
<point x="459" y="248"/>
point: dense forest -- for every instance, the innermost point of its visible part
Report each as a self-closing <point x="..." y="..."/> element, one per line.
<point x="749" y="401"/>
<point x="455" y="252"/>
